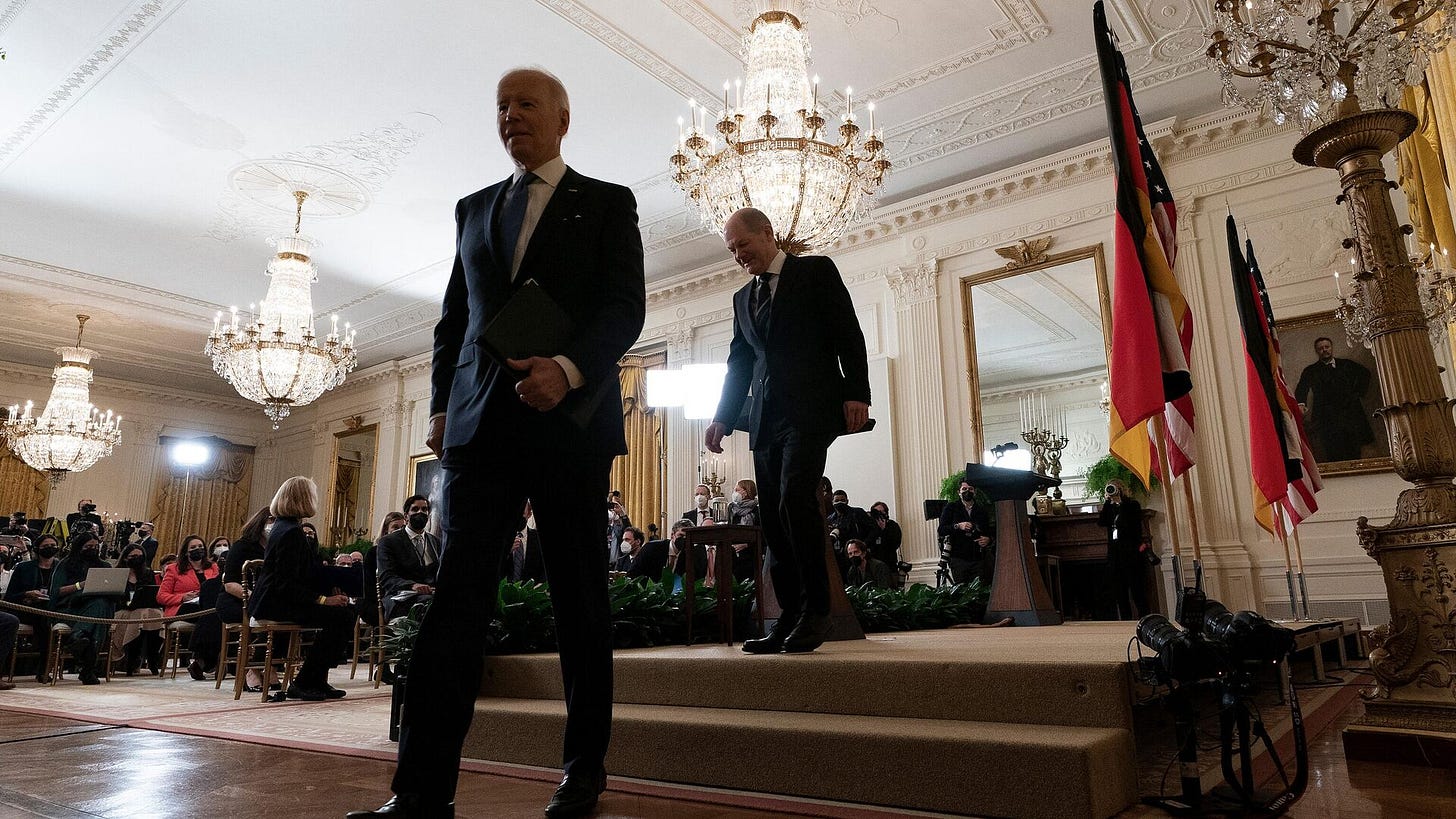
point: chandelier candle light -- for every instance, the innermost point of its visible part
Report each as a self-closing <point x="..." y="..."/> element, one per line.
<point x="70" y="434"/>
<point x="774" y="148"/>
<point x="275" y="358"/>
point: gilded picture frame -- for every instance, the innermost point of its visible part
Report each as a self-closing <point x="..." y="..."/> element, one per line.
<point x="425" y="476"/>
<point x="1297" y="339"/>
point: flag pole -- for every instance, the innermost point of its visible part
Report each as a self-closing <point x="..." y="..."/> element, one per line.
<point x="1288" y="564"/>
<point x="1187" y="481"/>
<point x="1299" y="562"/>
<point x="1159" y="439"/>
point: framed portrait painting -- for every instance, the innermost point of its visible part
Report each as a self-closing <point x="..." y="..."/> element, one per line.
<point x="1338" y="390"/>
<point x="425" y="470"/>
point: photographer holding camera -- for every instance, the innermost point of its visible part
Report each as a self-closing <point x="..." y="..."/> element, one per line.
<point x="969" y="537"/>
<point x="1123" y="518"/>
<point x="85" y="512"/>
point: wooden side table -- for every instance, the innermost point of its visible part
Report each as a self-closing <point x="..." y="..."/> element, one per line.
<point x="721" y="538"/>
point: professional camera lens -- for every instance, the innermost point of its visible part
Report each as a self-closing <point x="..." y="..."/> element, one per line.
<point x="1110" y="489"/>
<point x="1181" y="656"/>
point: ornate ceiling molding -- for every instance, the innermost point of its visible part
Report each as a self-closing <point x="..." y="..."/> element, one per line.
<point x="104" y="387"/>
<point x="629" y="48"/>
<point x="82" y="286"/>
<point x="138" y="21"/>
<point x="12" y="10"/>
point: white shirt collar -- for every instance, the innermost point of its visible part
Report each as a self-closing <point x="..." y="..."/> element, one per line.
<point x="549" y="172"/>
<point x="777" y="265"/>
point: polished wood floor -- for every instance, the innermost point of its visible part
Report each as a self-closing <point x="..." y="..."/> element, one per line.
<point x="66" y="769"/>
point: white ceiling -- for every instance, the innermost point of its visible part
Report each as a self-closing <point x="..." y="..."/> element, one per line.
<point x="120" y="121"/>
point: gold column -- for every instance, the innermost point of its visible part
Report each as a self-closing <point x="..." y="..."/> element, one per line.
<point x="1411" y="713"/>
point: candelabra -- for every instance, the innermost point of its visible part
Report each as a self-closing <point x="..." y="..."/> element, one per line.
<point x="1436" y="288"/>
<point x="1317" y="60"/>
<point x="1046" y="452"/>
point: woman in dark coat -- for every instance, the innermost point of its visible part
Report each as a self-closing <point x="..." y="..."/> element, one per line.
<point x="67" y="586"/>
<point x="207" y="639"/>
<point x="287" y="590"/>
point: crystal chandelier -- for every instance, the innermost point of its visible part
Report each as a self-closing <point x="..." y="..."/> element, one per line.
<point x="275" y="359"/>
<point x="1315" y="59"/>
<point x="1436" y="288"/>
<point x="773" y="147"/>
<point x="70" y="435"/>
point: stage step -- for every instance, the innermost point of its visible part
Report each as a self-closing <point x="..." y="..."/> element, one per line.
<point x="866" y="679"/>
<point x="944" y="765"/>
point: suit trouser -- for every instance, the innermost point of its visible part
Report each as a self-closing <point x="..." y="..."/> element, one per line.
<point x="484" y="493"/>
<point x="9" y="625"/>
<point x="788" y="464"/>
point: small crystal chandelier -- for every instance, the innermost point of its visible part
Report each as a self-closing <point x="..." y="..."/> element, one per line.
<point x="275" y="359"/>
<point x="772" y="147"/>
<point x="1436" y="284"/>
<point x="70" y="435"/>
<point x="1315" y="59"/>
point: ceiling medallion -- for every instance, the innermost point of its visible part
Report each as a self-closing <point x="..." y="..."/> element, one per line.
<point x="70" y="434"/>
<point x="783" y="163"/>
<point x="273" y="356"/>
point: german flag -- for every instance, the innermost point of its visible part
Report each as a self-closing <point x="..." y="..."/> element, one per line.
<point x="1271" y="429"/>
<point x="1152" y="328"/>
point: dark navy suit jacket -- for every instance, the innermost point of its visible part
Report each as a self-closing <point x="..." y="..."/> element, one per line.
<point x="586" y="253"/>
<point x="811" y="361"/>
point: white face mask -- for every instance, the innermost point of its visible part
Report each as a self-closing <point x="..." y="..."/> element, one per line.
<point x="267" y="530"/>
<point x="737" y="496"/>
<point x="702" y="501"/>
<point x="626" y="547"/>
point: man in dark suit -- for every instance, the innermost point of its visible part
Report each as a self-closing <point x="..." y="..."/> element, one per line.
<point x="407" y="559"/>
<point x="658" y="555"/>
<point x="797" y="378"/>
<point x="146" y="541"/>
<point x="505" y="436"/>
<point x="1330" y="392"/>
<point x="701" y="512"/>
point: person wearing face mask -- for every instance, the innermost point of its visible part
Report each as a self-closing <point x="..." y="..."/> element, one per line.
<point x="67" y="585"/>
<point x="743" y="511"/>
<point x="248" y="546"/>
<point x="967" y="525"/>
<point x="145" y="540"/>
<point x="408" y="560"/>
<point x="632" y="540"/>
<point x="133" y="640"/>
<point x="885" y="541"/>
<point x="658" y="555"/>
<point x="30" y="585"/>
<point x="310" y="534"/>
<point x="700" y="513"/>
<point x="852" y="522"/>
<point x="85" y="513"/>
<point x="182" y="581"/>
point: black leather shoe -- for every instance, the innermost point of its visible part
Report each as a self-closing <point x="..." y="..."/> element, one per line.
<point x="773" y="642"/>
<point x="576" y="796"/>
<point x="334" y="693"/>
<point x="194" y="670"/>
<point x="307" y="693"/>
<point x="407" y="806"/>
<point x="809" y="634"/>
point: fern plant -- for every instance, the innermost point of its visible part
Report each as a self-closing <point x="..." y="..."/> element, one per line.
<point x="1109" y="469"/>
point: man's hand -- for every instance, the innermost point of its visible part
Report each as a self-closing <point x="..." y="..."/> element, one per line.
<point x="337" y="600"/>
<point x="421" y="588"/>
<point x="856" y="413"/>
<point x="965" y="526"/>
<point x="545" y="383"/>
<point x="983" y="541"/>
<point x="435" y="440"/>
<point x="713" y="438"/>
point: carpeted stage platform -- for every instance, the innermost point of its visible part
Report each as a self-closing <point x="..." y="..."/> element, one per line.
<point x="1024" y="722"/>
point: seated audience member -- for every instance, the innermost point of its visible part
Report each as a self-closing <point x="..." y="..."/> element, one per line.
<point x="31" y="586"/>
<point x="67" y="585"/>
<point x="229" y="602"/>
<point x="865" y="569"/>
<point x="407" y="560"/>
<point x="700" y="513"/>
<point x="8" y="559"/>
<point x="285" y="590"/>
<point x="218" y="548"/>
<point x="632" y="541"/>
<point x="743" y="508"/>
<point x="523" y="563"/>
<point x="393" y="521"/>
<point x="165" y="564"/>
<point x="885" y="538"/>
<point x="133" y="640"/>
<point x="182" y="581"/>
<point x="344" y="559"/>
<point x="659" y="555"/>
<point x="971" y="534"/>
<point x="145" y="540"/>
<point x="310" y="533"/>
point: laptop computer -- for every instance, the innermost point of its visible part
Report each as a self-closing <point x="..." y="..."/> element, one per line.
<point x="105" y="582"/>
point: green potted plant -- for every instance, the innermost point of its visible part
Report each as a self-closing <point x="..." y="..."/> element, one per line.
<point x="950" y="487"/>
<point x="1109" y="469"/>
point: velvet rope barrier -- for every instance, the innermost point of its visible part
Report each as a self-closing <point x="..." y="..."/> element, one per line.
<point x="77" y="618"/>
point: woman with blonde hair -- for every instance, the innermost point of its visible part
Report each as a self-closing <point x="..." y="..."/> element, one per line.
<point x="285" y="590"/>
<point x="393" y="522"/>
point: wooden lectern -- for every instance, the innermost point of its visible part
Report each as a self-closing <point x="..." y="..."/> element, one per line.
<point x="1016" y="588"/>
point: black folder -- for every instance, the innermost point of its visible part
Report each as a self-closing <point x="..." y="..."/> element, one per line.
<point x="531" y="323"/>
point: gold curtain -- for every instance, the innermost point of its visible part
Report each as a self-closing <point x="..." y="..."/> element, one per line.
<point x="210" y="501"/>
<point x="639" y="473"/>
<point x="346" y="491"/>
<point x="22" y="489"/>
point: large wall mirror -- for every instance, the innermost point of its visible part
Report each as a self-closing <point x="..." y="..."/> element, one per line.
<point x="352" y="490"/>
<point x="1037" y="335"/>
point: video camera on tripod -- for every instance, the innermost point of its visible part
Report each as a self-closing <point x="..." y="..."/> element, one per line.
<point x="1227" y="652"/>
